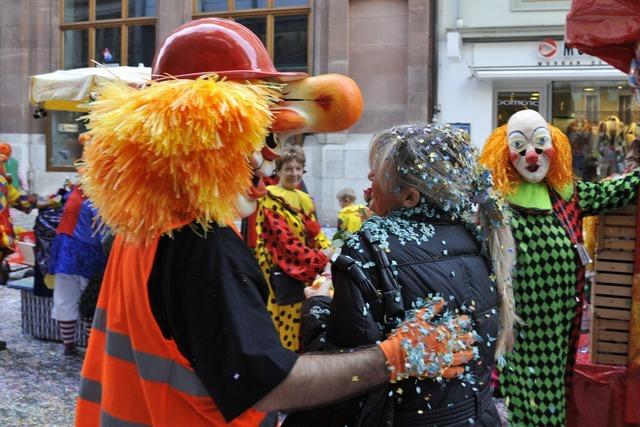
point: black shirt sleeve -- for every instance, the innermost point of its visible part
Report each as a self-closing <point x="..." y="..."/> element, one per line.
<point x="208" y="294"/>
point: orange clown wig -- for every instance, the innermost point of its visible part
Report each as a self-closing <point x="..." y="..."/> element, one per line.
<point x="173" y="152"/>
<point x="495" y="156"/>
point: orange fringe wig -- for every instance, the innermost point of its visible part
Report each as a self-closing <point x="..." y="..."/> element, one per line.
<point x="495" y="156"/>
<point x="173" y="152"/>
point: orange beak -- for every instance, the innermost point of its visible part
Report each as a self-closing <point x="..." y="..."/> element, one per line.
<point x="326" y="103"/>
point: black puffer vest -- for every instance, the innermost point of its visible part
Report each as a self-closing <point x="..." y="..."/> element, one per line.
<point x="449" y="264"/>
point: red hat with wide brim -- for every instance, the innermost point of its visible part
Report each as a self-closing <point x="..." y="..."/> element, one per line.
<point x="216" y="45"/>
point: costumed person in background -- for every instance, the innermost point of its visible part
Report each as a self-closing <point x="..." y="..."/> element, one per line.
<point x="44" y="229"/>
<point x="291" y="248"/>
<point x="580" y="136"/>
<point x="422" y="244"/>
<point x="9" y="197"/>
<point x="351" y="215"/>
<point x="181" y="334"/>
<point x="13" y="170"/>
<point x="632" y="147"/>
<point x="76" y="257"/>
<point x="611" y="146"/>
<point x="531" y="165"/>
<point x="634" y="73"/>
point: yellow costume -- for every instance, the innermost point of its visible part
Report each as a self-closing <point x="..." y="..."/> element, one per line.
<point x="350" y="218"/>
<point x="289" y="237"/>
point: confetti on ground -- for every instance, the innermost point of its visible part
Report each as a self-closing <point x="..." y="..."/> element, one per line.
<point x="38" y="385"/>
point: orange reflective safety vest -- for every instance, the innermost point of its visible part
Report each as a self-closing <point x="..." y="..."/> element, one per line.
<point x="132" y="375"/>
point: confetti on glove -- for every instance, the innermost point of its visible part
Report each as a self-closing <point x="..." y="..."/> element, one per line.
<point x="426" y="348"/>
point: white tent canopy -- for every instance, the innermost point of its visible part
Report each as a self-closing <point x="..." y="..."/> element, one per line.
<point x="77" y="84"/>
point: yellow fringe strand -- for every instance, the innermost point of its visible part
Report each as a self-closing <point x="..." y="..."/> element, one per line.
<point x="173" y="152"/>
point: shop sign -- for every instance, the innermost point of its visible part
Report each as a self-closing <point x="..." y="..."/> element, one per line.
<point x="554" y="52"/>
<point x="67" y="128"/>
<point x="522" y="103"/>
<point x="547" y="48"/>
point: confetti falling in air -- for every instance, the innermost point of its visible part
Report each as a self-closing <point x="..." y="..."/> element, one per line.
<point x="355" y="379"/>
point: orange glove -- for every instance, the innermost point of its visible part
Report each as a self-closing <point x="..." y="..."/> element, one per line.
<point x="423" y="348"/>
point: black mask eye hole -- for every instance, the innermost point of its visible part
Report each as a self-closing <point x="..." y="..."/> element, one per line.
<point x="272" y="141"/>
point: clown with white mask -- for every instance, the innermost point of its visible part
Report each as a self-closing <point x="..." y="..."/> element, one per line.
<point x="531" y="165"/>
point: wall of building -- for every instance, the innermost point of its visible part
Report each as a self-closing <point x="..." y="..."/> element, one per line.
<point x="501" y="13"/>
<point x="384" y="45"/>
<point x="28" y="45"/>
<point x="499" y="33"/>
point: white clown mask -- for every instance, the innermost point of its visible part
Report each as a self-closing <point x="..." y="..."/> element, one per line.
<point x="530" y="146"/>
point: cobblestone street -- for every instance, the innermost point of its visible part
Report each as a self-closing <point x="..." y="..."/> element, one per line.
<point x="38" y="385"/>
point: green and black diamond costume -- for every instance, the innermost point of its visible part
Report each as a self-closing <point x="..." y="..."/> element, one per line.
<point x="549" y="292"/>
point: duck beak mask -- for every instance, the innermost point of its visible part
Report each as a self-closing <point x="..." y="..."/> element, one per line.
<point x="194" y="143"/>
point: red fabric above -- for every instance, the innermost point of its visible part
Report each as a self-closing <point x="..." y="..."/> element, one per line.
<point x="604" y="395"/>
<point x="607" y="29"/>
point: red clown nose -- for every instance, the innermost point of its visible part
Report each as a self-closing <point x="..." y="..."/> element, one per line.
<point x="531" y="157"/>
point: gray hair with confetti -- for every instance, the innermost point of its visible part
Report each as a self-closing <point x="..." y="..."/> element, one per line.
<point x="441" y="163"/>
<point x="436" y="160"/>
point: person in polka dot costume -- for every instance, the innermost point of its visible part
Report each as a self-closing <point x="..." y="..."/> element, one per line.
<point x="289" y="238"/>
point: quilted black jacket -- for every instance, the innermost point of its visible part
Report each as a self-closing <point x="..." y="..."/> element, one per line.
<point x="450" y="263"/>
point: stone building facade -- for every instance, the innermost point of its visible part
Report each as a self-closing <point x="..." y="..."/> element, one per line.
<point x="386" y="46"/>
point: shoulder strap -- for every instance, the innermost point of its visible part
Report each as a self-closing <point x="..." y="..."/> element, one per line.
<point x="389" y="287"/>
<point x="385" y="300"/>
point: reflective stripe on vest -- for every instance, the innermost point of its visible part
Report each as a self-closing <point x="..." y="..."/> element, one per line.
<point x="107" y="420"/>
<point x="150" y="367"/>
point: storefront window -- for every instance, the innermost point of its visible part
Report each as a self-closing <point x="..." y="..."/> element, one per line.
<point x="596" y="117"/>
<point x="281" y="25"/>
<point x="76" y="43"/>
<point x="76" y="10"/>
<point x="108" y="9"/>
<point x="128" y="38"/>
<point x="289" y="3"/>
<point x="250" y="4"/>
<point x="64" y="149"/>
<point x="258" y="25"/>
<point x="139" y="8"/>
<point x="211" y="5"/>
<point x="142" y="42"/>
<point x="108" y="46"/>
<point x="509" y="102"/>
<point x="290" y="43"/>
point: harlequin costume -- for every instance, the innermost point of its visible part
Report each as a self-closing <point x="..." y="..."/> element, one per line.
<point x="181" y="335"/>
<point x="548" y="281"/>
<point x="289" y="237"/>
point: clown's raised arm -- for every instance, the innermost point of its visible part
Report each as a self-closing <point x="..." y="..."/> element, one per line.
<point x="596" y="198"/>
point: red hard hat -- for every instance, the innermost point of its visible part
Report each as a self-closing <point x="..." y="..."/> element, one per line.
<point x="216" y="45"/>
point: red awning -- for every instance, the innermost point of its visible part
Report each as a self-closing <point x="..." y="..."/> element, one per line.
<point x="607" y="29"/>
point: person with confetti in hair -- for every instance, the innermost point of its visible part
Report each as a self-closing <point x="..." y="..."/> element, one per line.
<point x="423" y="244"/>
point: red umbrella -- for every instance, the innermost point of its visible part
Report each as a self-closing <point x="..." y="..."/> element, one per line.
<point x="607" y="29"/>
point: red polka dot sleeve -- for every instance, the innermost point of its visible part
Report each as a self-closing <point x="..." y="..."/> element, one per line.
<point x="292" y="256"/>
